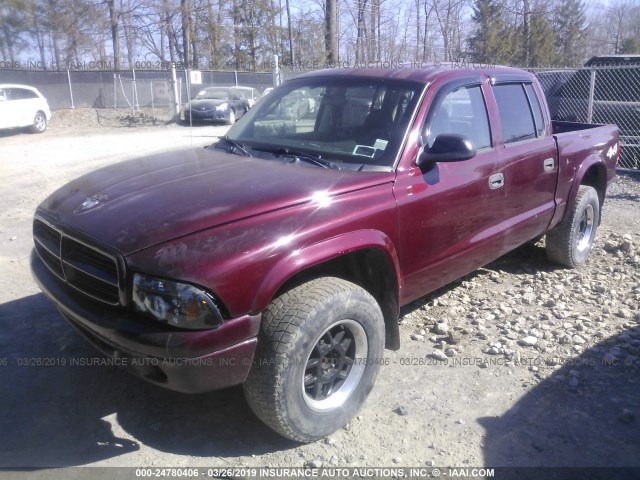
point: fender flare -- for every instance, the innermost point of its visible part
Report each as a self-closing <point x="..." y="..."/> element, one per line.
<point x="317" y="253"/>
<point x="587" y="163"/>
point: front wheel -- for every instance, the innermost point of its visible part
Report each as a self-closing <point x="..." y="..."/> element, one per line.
<point x="232" y="118"/>
<point x="39" y="123"/>
<point x="570" y="242"/>
<point x="318" y="355"/>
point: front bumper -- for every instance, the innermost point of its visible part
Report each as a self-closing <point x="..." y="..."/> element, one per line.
<point x="207" y="115"/>
<point x="181" y="360"/>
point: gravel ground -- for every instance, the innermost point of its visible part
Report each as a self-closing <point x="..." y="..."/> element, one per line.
<point x="520" y="363"/>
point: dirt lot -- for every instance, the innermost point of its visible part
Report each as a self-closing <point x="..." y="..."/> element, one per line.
<point x="518" y="364"/>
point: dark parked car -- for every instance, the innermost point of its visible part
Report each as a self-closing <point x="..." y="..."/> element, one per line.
<point x="279" y="257"/>
<point x="217" y="104"/>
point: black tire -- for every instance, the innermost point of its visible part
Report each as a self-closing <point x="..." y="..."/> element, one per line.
<point x="39" y="123"/>
<point x="570" y="242"/>
<point x="318" y="355"/>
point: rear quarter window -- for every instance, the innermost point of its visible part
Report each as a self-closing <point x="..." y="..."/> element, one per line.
<point x="534" y="101"/>
<point x="21" y="94"/>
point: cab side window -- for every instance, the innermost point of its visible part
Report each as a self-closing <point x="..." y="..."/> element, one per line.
<point x="516" y="115"/>
<point x="462" y="112"/>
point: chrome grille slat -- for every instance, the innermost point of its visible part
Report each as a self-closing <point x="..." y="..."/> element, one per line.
<point x="81" y="266"/>
<point x="81" y="255"/>
<point x="86" y="283"/>
<point x="51" y="261"/>
<point x="90" y="271"/>
<point x="47" y="237"/>
<point x="44" y="245"/>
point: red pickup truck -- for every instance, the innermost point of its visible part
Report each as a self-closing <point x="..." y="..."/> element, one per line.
<point x="279" y="257"/>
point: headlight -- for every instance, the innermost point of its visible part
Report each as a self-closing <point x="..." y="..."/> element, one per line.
<point x="222" y="106"/>
<point x="175" y="303"/>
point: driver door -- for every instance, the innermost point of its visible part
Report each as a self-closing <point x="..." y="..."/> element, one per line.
<point x="450" y="213"/>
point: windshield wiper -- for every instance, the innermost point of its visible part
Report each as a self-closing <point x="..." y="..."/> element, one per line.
<point x="236" y="147"/>
<point x="287" y="152"/>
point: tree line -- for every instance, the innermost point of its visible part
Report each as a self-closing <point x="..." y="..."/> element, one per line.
<point x="306" y="34"/>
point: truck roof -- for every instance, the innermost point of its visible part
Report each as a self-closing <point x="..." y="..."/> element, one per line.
<point x="424" y="75"/>
<point x="612" y="60"/>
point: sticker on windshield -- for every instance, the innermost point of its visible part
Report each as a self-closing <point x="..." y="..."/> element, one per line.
<point x="364" y="151"/>
<point x="380" y="144"/>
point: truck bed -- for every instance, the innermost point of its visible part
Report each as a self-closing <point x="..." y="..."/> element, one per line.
<point x="559" y="126"/>
<point x="576" y="143"/>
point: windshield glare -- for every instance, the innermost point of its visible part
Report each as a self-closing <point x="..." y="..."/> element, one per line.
<point x="213" y="93"/>
<point x="347" y="119"/>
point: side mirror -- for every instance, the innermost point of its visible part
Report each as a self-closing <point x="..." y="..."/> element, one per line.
<point x="447" y="147"/>
<point x="236" y="97"/>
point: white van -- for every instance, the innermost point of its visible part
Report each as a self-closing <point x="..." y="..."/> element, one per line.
<point x="23" y="106"/>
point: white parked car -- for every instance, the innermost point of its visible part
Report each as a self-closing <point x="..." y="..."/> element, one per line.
<point x="23" y="106"/>
<point x="250" y="93"/>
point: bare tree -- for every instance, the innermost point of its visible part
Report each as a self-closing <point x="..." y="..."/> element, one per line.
<point x="330" y="34"/>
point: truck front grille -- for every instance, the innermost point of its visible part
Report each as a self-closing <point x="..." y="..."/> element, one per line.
<point x="81" y="266"/>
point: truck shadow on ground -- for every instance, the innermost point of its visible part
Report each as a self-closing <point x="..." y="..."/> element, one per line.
<point x="66" y="415"/>
<point x="586" y="414"/>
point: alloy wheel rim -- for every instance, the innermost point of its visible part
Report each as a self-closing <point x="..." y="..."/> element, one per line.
<point x="39" y="122"/>
<point x="334" y="366"/>
<point x="585" y="228"/>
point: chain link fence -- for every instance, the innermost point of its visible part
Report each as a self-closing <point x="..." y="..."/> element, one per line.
<point x="599" y="95"/>
<point x="129" y="96"/>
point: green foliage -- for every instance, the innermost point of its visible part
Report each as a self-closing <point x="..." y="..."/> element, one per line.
<point x="569" y="26"/>
<point x="541" y="42"/>
<point x="630" y="46"/>
<point x="492" y="42"/>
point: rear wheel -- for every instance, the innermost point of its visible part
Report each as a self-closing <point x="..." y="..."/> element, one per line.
<point x="570" y="242"/>
<point x="39" y="123"/>
<point x="318" y="355"/>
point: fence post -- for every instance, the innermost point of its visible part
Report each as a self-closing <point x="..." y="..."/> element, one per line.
<point x="276" y="71"/>
<point x="134" y="91"/>
<point x="70" y="89"/>
<point x="115" y="91"/>
<point x="153" y="107"/>
<point x="592" y="85"/>
<point x="176" y="100"/>
<point x="235" y="74"/>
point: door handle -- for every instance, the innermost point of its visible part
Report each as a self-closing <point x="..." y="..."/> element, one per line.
<point x="496" y="181"/>
<point x="548" y="164"/>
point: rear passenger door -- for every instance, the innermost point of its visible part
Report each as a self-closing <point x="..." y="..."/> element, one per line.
<point x="450" y="214"/>
<point x="529" y="155"/>
<point x="23" y="105"/>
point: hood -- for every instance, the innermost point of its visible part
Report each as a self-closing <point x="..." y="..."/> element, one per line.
<point x="139" y="203"/>
<point x="207" y="103"/>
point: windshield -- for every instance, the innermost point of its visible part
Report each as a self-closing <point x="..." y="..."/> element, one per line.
<point x="346" y="120"/>
<point x="213" y="93"/>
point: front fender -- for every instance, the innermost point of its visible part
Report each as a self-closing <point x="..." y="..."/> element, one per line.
<point x="317" y="253"/>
